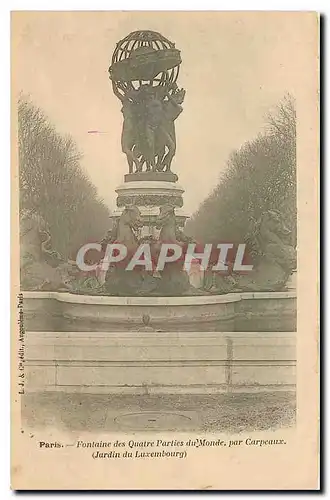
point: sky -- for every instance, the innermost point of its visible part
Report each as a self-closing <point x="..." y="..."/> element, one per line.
<point x="235" y="68"/>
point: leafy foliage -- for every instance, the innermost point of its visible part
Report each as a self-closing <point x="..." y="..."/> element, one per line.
<point x="261" y="175"/>
<point x="53" y="184"/>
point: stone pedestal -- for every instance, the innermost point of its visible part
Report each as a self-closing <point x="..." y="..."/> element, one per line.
<point x="160" y="362"/>
<point x="101" y="344"/>
<point x="149" y="191"/>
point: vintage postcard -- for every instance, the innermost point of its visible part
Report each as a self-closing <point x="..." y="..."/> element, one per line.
<point x="165" y="250"/>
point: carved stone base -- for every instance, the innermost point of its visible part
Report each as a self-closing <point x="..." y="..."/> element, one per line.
<point x="149" y="195"/>
<point x="151" y="176"/>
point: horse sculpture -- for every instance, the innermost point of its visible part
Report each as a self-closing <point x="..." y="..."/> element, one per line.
<point x="274" y="255"/>
<point x="42" y="268"/>
<point x="126" y="229"/>
<point x="118" y="280"/>
<point x="174" y="279"/>
<point x="171" y="281"/>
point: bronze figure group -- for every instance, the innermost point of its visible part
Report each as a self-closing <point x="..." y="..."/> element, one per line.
<point x="144" y="71"/>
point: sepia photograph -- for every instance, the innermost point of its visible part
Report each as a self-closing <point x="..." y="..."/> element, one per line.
<point x="157" y="221"/>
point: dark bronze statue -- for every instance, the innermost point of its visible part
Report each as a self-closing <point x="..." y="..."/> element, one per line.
<point x="274" y="259"/>
<point x="42" y="268"/>
<point x="274" y="253"/>
<point x="144" y="70"/>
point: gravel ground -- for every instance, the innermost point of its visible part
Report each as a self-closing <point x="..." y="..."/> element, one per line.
<point x="232" y="413"/>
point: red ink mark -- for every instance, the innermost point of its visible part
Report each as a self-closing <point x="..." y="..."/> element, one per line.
<point x="96" y="132"/>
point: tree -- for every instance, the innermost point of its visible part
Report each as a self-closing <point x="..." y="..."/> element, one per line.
<point x="53" y="184"/>
<point x="261" y="175"/>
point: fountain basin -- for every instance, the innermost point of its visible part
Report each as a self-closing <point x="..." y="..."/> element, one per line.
<point x="61" y="311"/>
<point x="196" y="344"/>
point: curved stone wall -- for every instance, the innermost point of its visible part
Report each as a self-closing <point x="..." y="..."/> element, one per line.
<point x="64" y="311"/>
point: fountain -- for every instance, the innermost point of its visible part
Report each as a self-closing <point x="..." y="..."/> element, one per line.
<point x="144" y="73"/>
